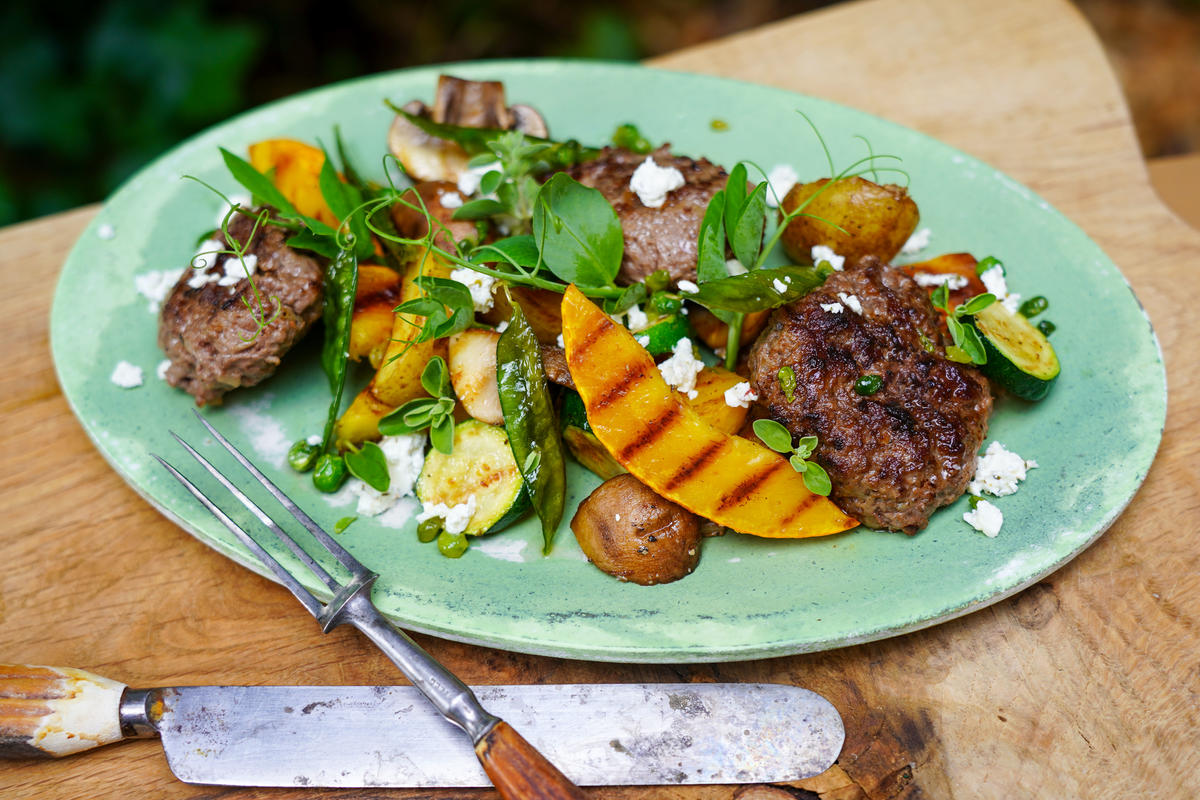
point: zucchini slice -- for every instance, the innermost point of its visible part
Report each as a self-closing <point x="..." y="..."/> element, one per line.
<point x="482" y="465"/>
<point x="581" y="442"/>
<point x="1019" y="357"/>
<point x="664" y="333"/>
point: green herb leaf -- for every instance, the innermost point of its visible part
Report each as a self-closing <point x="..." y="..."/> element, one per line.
<point x="321" y="245"/>
<point x="369" y="465"/>
<point x="441" y="433"/>
<point x="972" y="345"/>
<point x="577" y="232"/>
<point x="940" y="298"/>
<point x="258" y="184"/>
<point x="710" y="265"/>
<point x="413" y="416"/>
<point x="341" y="285"/>
<point x="798" y="463"/>
<point x="757" y="290"/>
<point x="479" y="208"/>
<point x="434" y="377"/>
<point x="529" y="421"/>
<point x="519" y="251"/>
<point x="976" y="304"/>
<point x="344" y="201"/>
<point x="817" y="479"/>
<point x="343" y="523"/>
<point x="745" y="229"/>
<point x="806" y="446"/>
<point x="633" y="294"/>
<point x="773" y="435"/>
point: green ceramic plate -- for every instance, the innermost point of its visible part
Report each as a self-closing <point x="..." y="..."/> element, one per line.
<point x="1094" y="437"/>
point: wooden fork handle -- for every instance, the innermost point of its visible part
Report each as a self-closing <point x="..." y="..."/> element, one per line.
<point x="519" y="771"/>
<point x="47" y="712"/>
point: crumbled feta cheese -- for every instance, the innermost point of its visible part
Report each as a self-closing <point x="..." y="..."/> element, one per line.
<point x="478" y="284"/>
<point x="994" y="281"/>
<point x="681" y="369"/>
<point x="833" y="308"/>
<point x="238" y="268"/>
<point x="126" y="375"/>
<point x="161" y="370"/>
<point x="822" y="252"/>
<point x="652" y="183"/>
<point x="468" y="181"/>
<point x="687" y="287"/>
<point x="644" y="341"/>
<point x="740" y="395"/>
<point x="454" y="518"/>
<point x="502" y="327"/>
<point x="315" y="439"/>
<point x="985" y="518"/>
<point x="561" y="342"/>
<point x="405" y="455"/>
<point x="106" y="231"/>
<point x="998" y="471"/>
<point x="636" y="319"/>
<point x="917" y="242"/>
<point x="780" y="181"/>
<point x="735" y="267"/>
<point x="451" y="200"/>
<point x="851" y="302"/>
<point x="155" y="285"/>
<point x="617" y="517"/>
<point x="953" y="282"/>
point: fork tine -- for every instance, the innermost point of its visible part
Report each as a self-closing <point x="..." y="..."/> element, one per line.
<point x="340" y="553"/>
<point x="303" y="595"/>
<point x="291" y="543"/>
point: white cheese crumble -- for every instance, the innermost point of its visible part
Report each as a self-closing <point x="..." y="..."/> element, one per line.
<point x="450" y="200"/>
<point x="985" y="518"/>
<point x="644" y="341"/>
<point x="994" y="282"/>
<point x="636" y="319"/>
<point x="405" y="455"/>
<point x="917" y="242"/>
<point x="780" y="181"/>
<point x="468" y="181"/>
<point x="851" y="302"/>
<point x="315" y="439"/>
<point x="740" y="395"/>
<point x="652" y="183"/>
<point x="454" y="518"/>
<point x="833" y="308"/>
<point x="780" y="286"/>
<point x="155" y="286"/>
<point x="502" y="327"/>
<point x="561" y="342"/>
<point x="688" y="287"/>
<point x="238" y="268"/>
<point x="126" y="375"/>
<point x="161" y="370"/>
<point x="681" y="369"/>
<point x="822" y="252"/>
<point x="106" y="232"/>
<point x="617" y="517"/>
<point x="735" y="267"/>
<point x="998" y="471"/>
<point x="478" y="284"/>
<point x="952" y="282"/>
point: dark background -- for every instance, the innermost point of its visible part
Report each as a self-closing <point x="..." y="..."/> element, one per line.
<point x="91" y="93"/>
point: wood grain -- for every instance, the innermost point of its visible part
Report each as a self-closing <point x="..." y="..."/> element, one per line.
<point x="1085" y="685"/>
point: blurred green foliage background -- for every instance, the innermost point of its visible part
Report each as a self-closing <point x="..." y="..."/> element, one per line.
<point x="91" y="92"/>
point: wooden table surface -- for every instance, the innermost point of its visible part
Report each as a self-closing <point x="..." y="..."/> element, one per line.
<point x="1085" y="685"/>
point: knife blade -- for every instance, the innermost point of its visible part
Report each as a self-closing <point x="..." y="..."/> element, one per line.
<point x="598" y="734"/>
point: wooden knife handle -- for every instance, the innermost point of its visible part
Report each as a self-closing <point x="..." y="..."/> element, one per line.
<point x="520" y="772"/>
<point x="47" y="712"/>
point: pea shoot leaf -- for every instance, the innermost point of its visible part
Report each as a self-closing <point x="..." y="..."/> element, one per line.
<point x="520" y="251"/>
<point x="577" y="232"/>
<point x="758" y="290"/>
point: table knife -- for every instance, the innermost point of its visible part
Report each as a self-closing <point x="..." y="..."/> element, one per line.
<point x="355" y="736"/>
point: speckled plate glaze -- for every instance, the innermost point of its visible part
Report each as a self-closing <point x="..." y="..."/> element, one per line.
<point x="1094" y="437"/>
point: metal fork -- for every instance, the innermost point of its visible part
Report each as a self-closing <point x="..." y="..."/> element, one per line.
<point x="516" y="769"/>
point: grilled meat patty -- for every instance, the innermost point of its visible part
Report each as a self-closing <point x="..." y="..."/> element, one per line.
<point x="895" y="456"/>
<point x="655" y="238"/>
<point x="209" y="333"/>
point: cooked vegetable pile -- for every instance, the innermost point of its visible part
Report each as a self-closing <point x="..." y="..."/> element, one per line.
<point x="523" y="301"/>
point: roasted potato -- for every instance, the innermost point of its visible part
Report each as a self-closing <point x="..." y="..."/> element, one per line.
<point x="877" y="220"/>
<point x="633" y="534"/>
<point x="472" y="362"/>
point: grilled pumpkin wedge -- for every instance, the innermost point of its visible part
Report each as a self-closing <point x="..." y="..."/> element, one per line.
<point x="654" y="434"/>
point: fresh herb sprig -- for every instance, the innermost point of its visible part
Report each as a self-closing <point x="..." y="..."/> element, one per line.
<point x="968" y="347"/>
<point x="779" y="439"/>
<point x="435" y="412"/>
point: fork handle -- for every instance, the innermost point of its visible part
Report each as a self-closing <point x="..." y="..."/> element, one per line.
<point x="518" y="770"/>
<point x="47" y="712"/>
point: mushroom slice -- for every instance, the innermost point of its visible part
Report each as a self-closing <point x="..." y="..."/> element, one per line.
<point x="472" y="104"/>
<point x="527" y="120"/>
<point x="425" y="157"/>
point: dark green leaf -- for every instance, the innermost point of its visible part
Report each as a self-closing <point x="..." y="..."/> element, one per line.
<point x="343" y="523"/>
<point x="321" y="245"/>
<point x="940" y="297"/>
<point x="972" y="345"/>
<point x="258" y="185"/>
<point x="434" y="377"/>
<point x="529" y="421"/>
<point x="773" y="435"/>
<point x="756" y="290"/>
<point x="515" y="250"/>
<point x="341" y="284"/>
<point x="746" y="232"/>
<point x="633" y="294"/>
<point x="817" y="479"/>
<point x="735" y="195"/>
<point x="798" y="463"/>
<point x="710" y="264"/>
<point x="369" y="465"/>
<point x="577" y="232"/>
<point x="480" y="208"/>
<point x="490" y="181"/>
<point x="344" y="200"/>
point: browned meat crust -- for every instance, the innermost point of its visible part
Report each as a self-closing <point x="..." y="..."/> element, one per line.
<point x="209" y="333"/>
<point x="896" y="456"/>
<point x="655" y="238"/>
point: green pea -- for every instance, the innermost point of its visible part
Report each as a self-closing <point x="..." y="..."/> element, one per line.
<point x="1047" y="327"/>
<point x="329" y="473"/>
<point x="452" y="545"/>
<point x="665" y="303"/>
<point x="868" y="385"/>
<point x="657" y="281"/>
<point x="1034" y="306"/>
<point x="428" y="530"/>
<point x="302" y="455"/>
<point x="629" y="137"/>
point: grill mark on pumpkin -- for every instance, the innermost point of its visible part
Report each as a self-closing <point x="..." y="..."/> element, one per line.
<point x="655" y="429"/>
<point x="697" y="464"/>
<point x="579" y="351"/>
<point x="618" y="389"/>
<point x="801" y="507"/>
<point x="750" y="485"/>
